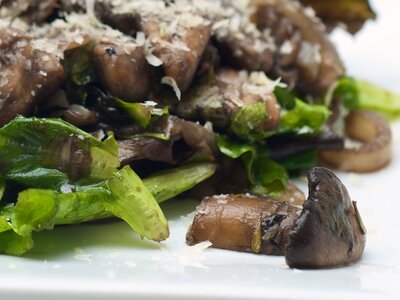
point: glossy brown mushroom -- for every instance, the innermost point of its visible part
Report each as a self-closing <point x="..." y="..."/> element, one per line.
<point x="250" y="51"/>
<point x="329" y="231"/>
<point x="180" y="51"/>
<point x="28" y="75"/>
<point x="32" y="11"/>
<point x="124" y="75"/>
<point x="305" y="56"/>
<point x="243" y="223"/>
<point x="217" y="99"/>
<point x="373" y="150"/>
<point x="185" y="139"/>
<point x="351" y="13"/>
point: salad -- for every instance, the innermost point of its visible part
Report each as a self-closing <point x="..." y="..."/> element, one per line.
<point x="109" y="108"/>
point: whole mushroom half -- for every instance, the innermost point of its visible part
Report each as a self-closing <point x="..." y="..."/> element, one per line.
<point x="327" y="232"/>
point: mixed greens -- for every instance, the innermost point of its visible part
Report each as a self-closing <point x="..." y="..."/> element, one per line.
<point x="109" y="110"/>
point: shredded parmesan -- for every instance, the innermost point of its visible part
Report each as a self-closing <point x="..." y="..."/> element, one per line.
<point x="172" y="83"/>
<point x="150" y="57"/>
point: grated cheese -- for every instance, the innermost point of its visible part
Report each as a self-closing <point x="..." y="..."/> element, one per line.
<point x="172" y="83"/>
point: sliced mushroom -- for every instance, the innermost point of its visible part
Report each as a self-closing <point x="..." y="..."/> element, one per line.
<point x="124" y="75"/>
<point x="80" y="116"/>
<point x="33" y="11"/>
<point x="179" y="42"/>
<point x="28" y="75"/>
<point x="128" y="23"/>
<point x="39" y="11"/>
<point x="70" y="6"/>
<point x="222" y="99"/>
<point x="375" y="150"/>
<point x="242" y="45"/>
<point x="305" y="57"/>
<point x="185" y="138"/>
<point x="329" y="231"/>
<point x="243" y="223"/>
<point x="352" y="13"/>
<point x="287" y="145"/>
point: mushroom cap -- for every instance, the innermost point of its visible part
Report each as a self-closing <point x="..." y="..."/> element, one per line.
<point x="329" y="231"/>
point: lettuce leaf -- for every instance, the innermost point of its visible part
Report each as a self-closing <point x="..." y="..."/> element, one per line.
<point x="14" y="244"/>
<point x="48" y="153"/>
<point x="245" y="121"/>
<point x="2" y="187"/>
<point x="131" y="201"/>
<point x="10" y="241"/>
<point x="300" y="161"/>
<point x="85" y="204"/>
<point x="123" y="195"/>
<point x="359" y="94"/>
<point x="141" y="113"/>
<point x="79" y="68"/>
<point x="265" y="175"/>
<point x="167" y="184"/>
<point x="304" y="118"/>
<point x="285" y="97"/>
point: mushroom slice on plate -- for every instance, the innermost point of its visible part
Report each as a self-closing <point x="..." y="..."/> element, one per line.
<point x="125" y="73"/>
<point x="243" y="223"/>
<point x="328" y="232"/>
<point x="375" y="150"/>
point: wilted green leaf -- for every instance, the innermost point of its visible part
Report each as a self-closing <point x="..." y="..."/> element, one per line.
<point x="141" y="113"/>
<point x="265" y="175"/>
<point x="47" y="153"/>
<point x="131" y="201"/>
<point x="304" y="118"/>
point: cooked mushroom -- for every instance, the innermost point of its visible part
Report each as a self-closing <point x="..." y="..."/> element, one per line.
<point x="124" y="75"/>
<point x="242" y="45"/>
<point x="243" y="223"/>
<point x="128" y="23"/>
<point x="32" y="11"/>
<point x="185" y="138"/>
<point x="39" y="11"/>
<point x="374" y="150"/>
<point x="285" y="145"/>
<point x="329" y="231"/>
<point x="70" y="6"/>
<point x="305" y="56"/>
<point x="352" y="13"/>
<point x="179" y="41"/>
<point x="226" y="100"/>
<point x="80" y="116"/>
<point x="243" y="89"/>
<point x="28" y="75"/>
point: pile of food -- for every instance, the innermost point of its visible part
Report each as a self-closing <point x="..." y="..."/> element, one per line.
<point x="109" y="108"/>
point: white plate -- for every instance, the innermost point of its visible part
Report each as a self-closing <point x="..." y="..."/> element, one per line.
<point x="107" y="261"/>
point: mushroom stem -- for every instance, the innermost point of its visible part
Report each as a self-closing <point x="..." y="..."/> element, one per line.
<point x="243" y="223"/>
